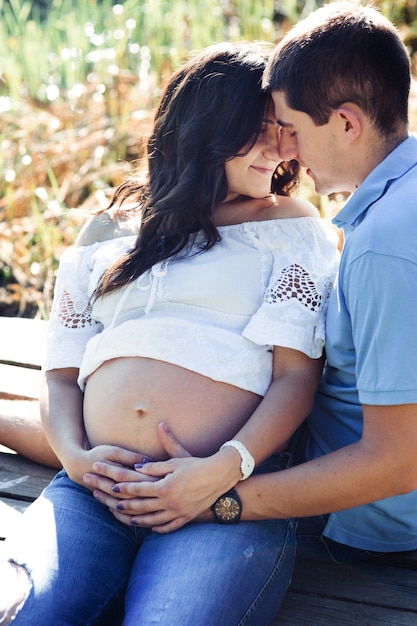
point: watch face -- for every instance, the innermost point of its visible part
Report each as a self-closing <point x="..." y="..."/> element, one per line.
<point x="227" y="508"/>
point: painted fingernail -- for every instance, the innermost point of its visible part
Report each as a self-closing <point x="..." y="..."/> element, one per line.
<point x="134" y="522"/>
<point x="120" y="506"/>
<point x="116" y="489"/>
<point x="146" y="459"/>
<point x="138" y="465"/>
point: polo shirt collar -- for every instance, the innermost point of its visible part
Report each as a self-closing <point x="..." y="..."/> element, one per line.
<point x="394" y="166"/>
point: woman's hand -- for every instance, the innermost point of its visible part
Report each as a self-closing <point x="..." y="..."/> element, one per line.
<point x="83" y="462"/>
<point x="166" y="495"/>
<point x="163" y="503"/>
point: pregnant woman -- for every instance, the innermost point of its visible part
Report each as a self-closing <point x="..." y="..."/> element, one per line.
<point x="197" y="299"/>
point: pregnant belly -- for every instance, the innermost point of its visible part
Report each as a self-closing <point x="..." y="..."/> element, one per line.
<point x="125" y="399"/>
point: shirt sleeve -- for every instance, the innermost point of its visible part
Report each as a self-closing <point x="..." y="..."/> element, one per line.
<point x="294" y="305"/>
<point x="71" y="323"/>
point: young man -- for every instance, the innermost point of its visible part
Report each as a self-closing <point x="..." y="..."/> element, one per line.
<point x="340" y="83"/>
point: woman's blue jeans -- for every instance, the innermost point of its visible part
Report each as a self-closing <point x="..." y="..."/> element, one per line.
<point x="89" y="569"/>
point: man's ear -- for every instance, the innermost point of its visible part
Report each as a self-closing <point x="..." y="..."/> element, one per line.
<point x="353" y="119"/>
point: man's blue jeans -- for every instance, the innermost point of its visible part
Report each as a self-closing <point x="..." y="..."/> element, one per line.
<point x="89" y="569"/>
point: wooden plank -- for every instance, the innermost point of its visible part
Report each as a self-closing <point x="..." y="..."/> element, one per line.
<point x="366" y="582"/>
<point x="304" y="610"/>
<point x="19" y="382"/>
<point x="22" y="344"/>
<point x="22" y="340"/>
<point x="22" y="479"/>
<point x="17" y="505"/>
<point x="9" y="517"/>
<point x="360" y="594"/>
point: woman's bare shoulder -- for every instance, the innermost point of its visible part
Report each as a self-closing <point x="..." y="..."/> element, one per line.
<point x="105" y="226"/>
<point x="294" y="207"/>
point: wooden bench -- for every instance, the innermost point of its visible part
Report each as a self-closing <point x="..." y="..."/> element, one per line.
<point x="321" y="593"/>
<point x="21" y="350"/>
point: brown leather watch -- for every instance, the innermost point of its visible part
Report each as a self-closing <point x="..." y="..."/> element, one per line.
<point x="228" y="508"/>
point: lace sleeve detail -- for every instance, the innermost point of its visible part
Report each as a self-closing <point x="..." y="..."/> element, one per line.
<point x="292" y="314"/>
<point x="71" y="323"/>
<point x="293" y="310"/>
<point x="295" y="283"/>
<point x="71" y="314"/>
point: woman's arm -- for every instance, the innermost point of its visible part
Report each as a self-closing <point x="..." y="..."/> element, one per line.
<point x="287" y="403"/>
<point x="189" y="486"/>
<point x="70" y="328"/>
<point x="61" y="404"/>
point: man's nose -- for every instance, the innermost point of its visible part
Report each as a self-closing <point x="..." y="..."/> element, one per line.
<point x="271" y="150"/>
<point x="287" y="147"/>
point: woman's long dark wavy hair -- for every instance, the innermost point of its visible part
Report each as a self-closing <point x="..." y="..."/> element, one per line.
<point x="211" y="111"/>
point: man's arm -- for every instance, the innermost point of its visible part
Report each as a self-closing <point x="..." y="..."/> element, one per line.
<point x="382" y="464"/>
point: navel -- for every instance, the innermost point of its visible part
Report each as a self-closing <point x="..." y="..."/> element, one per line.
<point x="141" y="410"/>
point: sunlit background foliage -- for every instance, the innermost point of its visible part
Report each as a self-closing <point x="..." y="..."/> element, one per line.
<point x="78" y="83"/>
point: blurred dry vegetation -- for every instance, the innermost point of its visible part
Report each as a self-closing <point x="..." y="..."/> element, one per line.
<point x="78" y="83"/>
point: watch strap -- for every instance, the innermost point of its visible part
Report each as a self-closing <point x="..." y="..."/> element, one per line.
<point x="247" y="462"/>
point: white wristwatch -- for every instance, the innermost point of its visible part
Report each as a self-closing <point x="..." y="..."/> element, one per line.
<point x="247" y="462"/>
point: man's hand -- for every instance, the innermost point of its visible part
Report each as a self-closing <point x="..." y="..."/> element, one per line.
<point x="171" y="443"/>
<point x="111" y="466"/>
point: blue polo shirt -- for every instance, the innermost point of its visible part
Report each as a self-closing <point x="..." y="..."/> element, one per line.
<point x="371" y="338"/>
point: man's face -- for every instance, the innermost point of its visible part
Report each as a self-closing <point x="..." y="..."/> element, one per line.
<point x="319" y="149"/>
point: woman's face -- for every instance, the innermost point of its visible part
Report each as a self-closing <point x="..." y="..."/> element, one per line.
<point x="250" y="175"/>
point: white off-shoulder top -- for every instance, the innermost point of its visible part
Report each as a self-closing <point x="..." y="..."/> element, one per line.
<point x="218" y="313"/>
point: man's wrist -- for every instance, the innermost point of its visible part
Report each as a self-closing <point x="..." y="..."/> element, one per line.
<point x="227" y="509"/>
